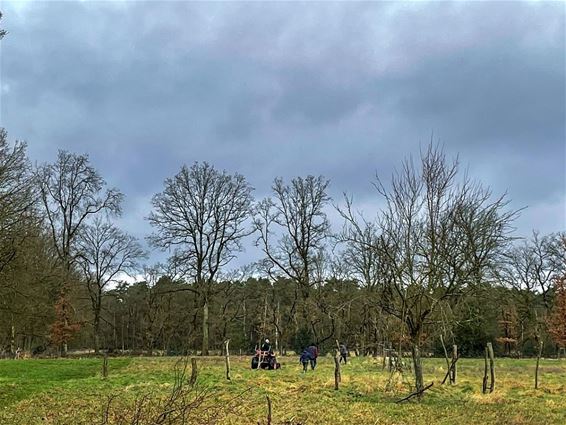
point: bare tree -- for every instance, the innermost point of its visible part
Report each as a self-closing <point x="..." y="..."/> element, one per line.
<point x="293" y="231"/>
<point x="16" y="198"/>
<point x="359" y="237"/>
<point x="439" y="236"/>
<point x="529" y="269"/>
<point x="72" y="192"/>
<point x="105" y="254"/>
<point x="201" y="214"/>
<point x="2" y="31"/>
<point x="296" y="217"/>
<point x="531" y="265"/>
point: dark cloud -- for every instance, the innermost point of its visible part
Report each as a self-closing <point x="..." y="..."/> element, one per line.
<point x="284" y="89"/>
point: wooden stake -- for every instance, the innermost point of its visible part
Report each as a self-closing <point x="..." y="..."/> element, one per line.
<point x="540" y="345"/>
<point x="484" y="382"/>
<point x="450" y="370"/>
<point x="227" y="358"/>
<point x="268" y="410"/>
<point x="491" y="367"/>
<point x="454" y="359"/>
<point x="194" y="372"/>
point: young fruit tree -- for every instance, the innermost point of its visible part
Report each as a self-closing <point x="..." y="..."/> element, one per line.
<point x="201" y="215"/>
<point x="439" y="235"/>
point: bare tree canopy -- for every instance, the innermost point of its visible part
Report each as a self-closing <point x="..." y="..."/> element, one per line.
<point x="72" y="191"/>
<point x="360" y="237"/>
<point x="16" y="196"/>
<point x="201" y="214"/>
<point x="105" y="252"/>
<point x="293" y="228"/>
<point x="532" y="264"/>
<point x="439" y="234"/>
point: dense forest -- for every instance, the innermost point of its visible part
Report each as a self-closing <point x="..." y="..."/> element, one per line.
<point x="439" y="265"/>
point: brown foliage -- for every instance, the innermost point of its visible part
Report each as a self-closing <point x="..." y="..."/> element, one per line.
<point x="556" y="322"/>
<point x="62" y="330"/>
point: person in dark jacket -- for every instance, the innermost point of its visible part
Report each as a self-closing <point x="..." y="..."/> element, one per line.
<point x="309" y="355"/>
<point x="266" y="346"/>
<point x="343" y="353"/>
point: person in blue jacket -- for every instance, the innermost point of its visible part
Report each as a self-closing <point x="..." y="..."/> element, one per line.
<point x="309" y="355"/>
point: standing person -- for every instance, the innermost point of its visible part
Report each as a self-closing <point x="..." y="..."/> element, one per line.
<point x="343" y="353"/>
<point x="309" y="355"/>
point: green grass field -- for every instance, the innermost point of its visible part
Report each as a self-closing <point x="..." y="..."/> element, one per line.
<point x="72" y="391"/>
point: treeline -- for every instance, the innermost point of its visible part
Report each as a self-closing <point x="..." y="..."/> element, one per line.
<point x="166" y="319"/>
<point x="440" y="258"/>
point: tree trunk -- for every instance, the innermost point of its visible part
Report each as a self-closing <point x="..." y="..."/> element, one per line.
<point x="64" y="292"/>
<point x="205" y="328"/>
<point x="417" y="364"/>
<point x="337" y="376"/>
<point x="115" y="333"/>
<point x="445" y="354"/>
<point x="277" y="324"/>
<point x="244" y="321"/>
<point x="96" y="332"/>
<point x="65" y="347"/>
<point x="12" y="336"/>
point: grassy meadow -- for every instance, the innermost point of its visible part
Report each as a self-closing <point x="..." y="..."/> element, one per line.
<point x="72" y="391"/>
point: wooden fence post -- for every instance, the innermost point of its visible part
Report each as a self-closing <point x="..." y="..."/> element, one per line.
<point x="268" y="410"/>
<point x="105" y="365"/>
<point x="227" y="358"/>
<point x="194" y="372"/>
<point x="491" y="367"/>
<point x="484" y="382"/>
<point x="539" y="354"/>
<point x="454" y="359"/>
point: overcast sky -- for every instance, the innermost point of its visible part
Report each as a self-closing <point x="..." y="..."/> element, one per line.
<point x="284" y="89"/>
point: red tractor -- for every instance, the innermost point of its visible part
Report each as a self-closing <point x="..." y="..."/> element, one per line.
<point x="265" y="360"/>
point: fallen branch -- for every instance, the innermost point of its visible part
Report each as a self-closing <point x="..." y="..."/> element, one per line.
<point x="419" y="392"/>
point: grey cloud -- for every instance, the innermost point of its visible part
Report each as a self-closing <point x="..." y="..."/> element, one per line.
<point x="281" y="89"/>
